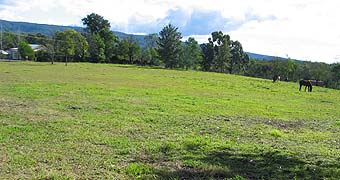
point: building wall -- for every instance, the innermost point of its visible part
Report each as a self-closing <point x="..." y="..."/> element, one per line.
<point x="14" y="54"/>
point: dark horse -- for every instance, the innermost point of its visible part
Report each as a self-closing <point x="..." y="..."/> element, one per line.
<point x="276" y="78"/>
<point x="306" y="83"/>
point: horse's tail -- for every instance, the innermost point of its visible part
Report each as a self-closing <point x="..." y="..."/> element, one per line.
<point x="300" y="83"/>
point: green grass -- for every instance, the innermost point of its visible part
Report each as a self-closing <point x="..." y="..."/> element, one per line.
<point x="99" y="121"/>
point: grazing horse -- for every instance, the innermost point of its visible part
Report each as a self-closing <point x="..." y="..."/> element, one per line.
<point x="276" y="78"/>
<point x="306" y="83"/>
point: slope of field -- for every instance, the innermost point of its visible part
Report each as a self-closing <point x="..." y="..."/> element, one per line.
<point x="97" y="121"/>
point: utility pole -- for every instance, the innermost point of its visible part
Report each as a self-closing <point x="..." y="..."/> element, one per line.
<point x="1" y="50"/>
<point x="1" y="38"/>
<point x="19" y="56"/>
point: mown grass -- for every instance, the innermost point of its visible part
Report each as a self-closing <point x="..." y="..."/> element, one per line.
<point x="98" y="121"/>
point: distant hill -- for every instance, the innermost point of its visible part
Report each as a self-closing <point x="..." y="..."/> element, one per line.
<point x="268" y="58"/>
<point x="138" y="38"/>
<point x="264" y="57"/>
<point x="49" y="30"/>
<point x="34" y="28"/>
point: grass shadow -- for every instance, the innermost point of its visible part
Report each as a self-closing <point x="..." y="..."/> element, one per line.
<point x="130" y="66"/>
<point x="224" y="164"/>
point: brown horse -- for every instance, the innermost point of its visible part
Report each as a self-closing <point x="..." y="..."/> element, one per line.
<point x="306" y="83"/>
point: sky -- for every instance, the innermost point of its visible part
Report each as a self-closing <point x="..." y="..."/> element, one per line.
<point x="300" y="29"/>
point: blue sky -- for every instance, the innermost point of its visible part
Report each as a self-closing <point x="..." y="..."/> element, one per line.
<point x="300" y="29"/>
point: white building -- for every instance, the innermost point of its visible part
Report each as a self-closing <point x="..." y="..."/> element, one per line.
<point x="13" y="53"/>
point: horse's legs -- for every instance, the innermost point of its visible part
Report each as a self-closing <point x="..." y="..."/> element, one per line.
<point x="306" y="88"/>
<point x="300" y="87"/>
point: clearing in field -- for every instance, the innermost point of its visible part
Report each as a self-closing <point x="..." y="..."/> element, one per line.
<point x="98" y="121"/>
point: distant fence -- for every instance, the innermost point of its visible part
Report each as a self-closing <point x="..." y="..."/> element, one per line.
<point x="8" y="60"/>
<point x="317" y="83"/>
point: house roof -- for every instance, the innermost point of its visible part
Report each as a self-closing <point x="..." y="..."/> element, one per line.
<point x="35" y="47"/>
<point x="3" y="52"/>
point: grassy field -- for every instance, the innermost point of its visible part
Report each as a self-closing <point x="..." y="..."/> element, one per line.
<point x="98" y="121"/>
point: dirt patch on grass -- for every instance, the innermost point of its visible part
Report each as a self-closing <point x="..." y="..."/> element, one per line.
<point x="175" y="170"/>
<point x="3" y="158"/>
<point x="285" y="124"/>
<point x="301" y="124"/>
<point x="9" y="105"/>
<point x="277" y="123"/>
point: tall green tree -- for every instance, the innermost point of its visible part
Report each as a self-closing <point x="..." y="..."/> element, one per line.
<point x="134" y="51"/>
<point x="222" y="51"/>
<point x="123" y="49"/>
<point x="150" y="54"/>
<point x="291" y="67"/>
<point x="335" y="81"/>
<point x="150" y="57"/>
<point x="70" y="44"/>
<point x="96" y="48"/>
<point x="169" y="43"/>
<point x="129" y="50"/>
<point x="110" y="41"/>
<point x="65" y="46"/>
<point x="81" y="47"/>
<point x="101" y="38"/>
<point x="52" y="48"/>
<point x="319" y="71"/>
<point x="191" y="54"/>
<point x="37" y="38"/>
<point x="239" y="58"/>
<point x="25" y="51"/>
<point x="95" y="23"/>
<point x="221" y="54"/>
<point x="9" y="40"/>
<point x="208" y="55"/>
<point x="335" y="69"/>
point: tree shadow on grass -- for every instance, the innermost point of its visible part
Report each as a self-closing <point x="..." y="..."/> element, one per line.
<point x="132" y="66"/>
<point x="224" y="163"/>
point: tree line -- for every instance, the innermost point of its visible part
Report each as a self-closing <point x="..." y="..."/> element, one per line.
<point x="291" y="70"/>
<point x="98" y="44"/>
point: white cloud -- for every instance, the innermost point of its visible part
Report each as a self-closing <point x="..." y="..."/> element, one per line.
<point x="304" y="29"/>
